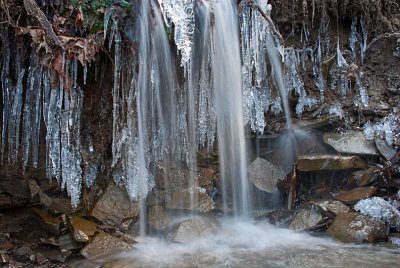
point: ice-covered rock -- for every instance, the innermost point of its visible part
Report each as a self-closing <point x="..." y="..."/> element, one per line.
<point x="379" y="208"/>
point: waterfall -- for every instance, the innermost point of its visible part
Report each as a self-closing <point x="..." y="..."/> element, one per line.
<point x="226" y="74"/>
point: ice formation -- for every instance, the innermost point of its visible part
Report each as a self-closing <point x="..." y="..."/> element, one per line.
<point x="387" y="128"/>
<point x="378" y="208"/>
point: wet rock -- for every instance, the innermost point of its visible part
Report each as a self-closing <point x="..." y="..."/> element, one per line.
<point x="305" y="219"/>
<point x="329" y="162"/>
<point x="24" y="251"/>
<point x="104" y="244"/>
<point x="115" y="208"/>
<point x="14" y="191"/>
<point x="195" y="228"/>
<point x="40" y="258"/>
<point x="181" y="200"/>
<point x="4" y="258"/>
<point x="394" y="239"/>
<point x="60" y="205"/>
<point x="332" y="208"/>
<point x="206" y="178"/>
<point x="68" y="243"/>
<point x="37" y="194"/>
<point x="353" y="142"/>
<point x="264" y="175"/>
<point x="353" y="196"/>
<point x="353" y="227"/>
<point x="170" y="177"/>
<point x="158" y="218"/>
<point x="379" y="208"/>
<point x="362" y="177"/>
<point x="5" y="241"/>
<point x="81" y="229"/>
<point x="385" y="149"/>
<point x="47" y="220"/>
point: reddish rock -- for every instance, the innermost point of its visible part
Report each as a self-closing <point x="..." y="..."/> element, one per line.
<point x="329" y="162"/>
<point x="355" y="195"/>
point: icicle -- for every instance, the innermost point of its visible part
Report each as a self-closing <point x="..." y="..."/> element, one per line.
<point x="107" y="17"/>
<point x="353" y="38"/>
<point x="70" y="145"/>
<point x="363" y="44"/>
<point x="181" y="14"/>
<point x="85" y="69"/>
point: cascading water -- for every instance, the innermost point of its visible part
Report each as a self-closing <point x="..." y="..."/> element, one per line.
<point x="226" y="73"/>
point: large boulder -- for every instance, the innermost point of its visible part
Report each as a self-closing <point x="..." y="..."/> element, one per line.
<point x="329" y="162"/>
<point x="353" y="196"/>
<point x="264" y="175"/>
<point x="195" y="228"/>
<point x="305" y="219"/>
<point x="171" y="177"/>
<point x="192" y="200"/>
<point x="353" y="227"/>
<point x="115" y="208"/>
<point x="353" y="142"/>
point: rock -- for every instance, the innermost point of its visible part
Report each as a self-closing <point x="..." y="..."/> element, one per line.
<point x="379" y="208"/>
<point x="181" y="200"/>
<point x="158" y="218"/>
<point x="195" y="228"/>
<point x="362" y="177"/>
<point x="264" y="175"/>
<point x="14" y="191"/>
<point x="47" y="220"/>
<point x="24" y="251"/>
<point x="68" y="243"/>
<point x="4" y="258"/>
<point x="37" y="195"/>
<point x="60" y="205"/>
<point x="329" y="162"/>
<point x="353" y="196"/>
<point x="333" y="208"/>
<point x="104" y="244"/>
<point x="394" y="239"/>
<point x="81" y="229"/>
<point x="206" y="178"/>
<point x="115" y="208"/>
<point x="305" y="219"/>
<point x="353" y="142"/>
<point x="352" y="227"/>
<point x="40" y="258"/>
<point x="385" y="149"/>
<point x="169" y="177"/>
